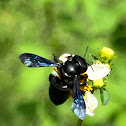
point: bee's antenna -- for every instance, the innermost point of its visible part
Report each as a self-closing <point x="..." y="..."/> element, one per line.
<point x="55" y="58"/>
<point x="86" y="51"/>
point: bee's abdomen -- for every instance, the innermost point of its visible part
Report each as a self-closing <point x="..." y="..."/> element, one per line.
<point x="58" y="90"/>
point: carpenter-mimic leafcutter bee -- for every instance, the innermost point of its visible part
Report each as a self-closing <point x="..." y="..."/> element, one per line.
<point x="70" y="75"/>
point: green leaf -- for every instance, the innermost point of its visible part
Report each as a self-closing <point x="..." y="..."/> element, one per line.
<point x="93" y="58"/>
<point x="105" y="96"/>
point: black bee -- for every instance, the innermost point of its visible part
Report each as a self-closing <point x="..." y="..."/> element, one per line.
<point x="67" y="80"/>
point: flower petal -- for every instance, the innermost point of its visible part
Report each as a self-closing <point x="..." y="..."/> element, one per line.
<point x="65" y="56"/>
<point x="91" y="103"/>
<point x="97" y="71"/>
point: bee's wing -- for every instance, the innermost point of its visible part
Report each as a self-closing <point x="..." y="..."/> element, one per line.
<point x="78" y="105"/>
<point x="97" y="71"/>
<point x="32" y="60"/>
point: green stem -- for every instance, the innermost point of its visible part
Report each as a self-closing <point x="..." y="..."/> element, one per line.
<point x="79" y="122"/>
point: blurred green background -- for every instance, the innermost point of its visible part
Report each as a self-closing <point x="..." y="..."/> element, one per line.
<point x="45" y="27"/>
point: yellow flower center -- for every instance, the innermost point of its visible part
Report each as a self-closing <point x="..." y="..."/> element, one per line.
<point x="98" y="83"/>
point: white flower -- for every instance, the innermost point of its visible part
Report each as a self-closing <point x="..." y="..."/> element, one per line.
<point x="97" y="71"/>
<point x="91" y="103"/>
<point x="65" y="56"/>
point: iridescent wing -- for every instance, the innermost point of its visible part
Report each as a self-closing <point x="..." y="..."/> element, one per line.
<point x="32" y="60"/>
<point x="78" y="105"/>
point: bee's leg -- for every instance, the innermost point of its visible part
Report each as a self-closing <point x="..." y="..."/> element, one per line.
<point x="84" y="78"/>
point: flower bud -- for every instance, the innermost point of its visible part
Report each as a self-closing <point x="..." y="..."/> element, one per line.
<point x="106" y="55"/>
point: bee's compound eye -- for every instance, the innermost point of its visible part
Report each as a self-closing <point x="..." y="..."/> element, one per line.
<point x="81" y="61"/>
